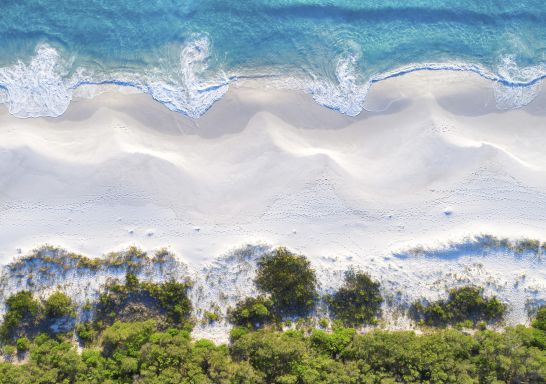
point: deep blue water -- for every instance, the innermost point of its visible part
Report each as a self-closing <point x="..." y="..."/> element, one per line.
<point x="185" y="53"/>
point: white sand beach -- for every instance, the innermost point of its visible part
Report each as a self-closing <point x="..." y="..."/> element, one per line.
<point x="435" y="162"/>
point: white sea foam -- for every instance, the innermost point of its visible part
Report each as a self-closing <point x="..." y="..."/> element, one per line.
<point x="347" y="95"/>
<point x="513" y="86"/>
<point x="184" y="91"/>
<point x="37" y="88"/>
<point x="524" y="84"/>
<point x="44" y="86"/>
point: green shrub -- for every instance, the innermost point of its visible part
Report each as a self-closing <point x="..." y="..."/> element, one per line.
<point x="252" y="312"/>
<point x="126" y="339"/>
<point x="173" y="299"/>
<point x="527" y="245"/>
<point x="332" y="343"/>
<point x="323" y="323"/>
<point x="86" y="332"/>
<point x="59" y="305"/>
<point x="211" y="317"/>
<point x="540" y="319"/>
<point x="289" y="281"/>
<point x="23" y="344"/>
<point x="22" y="315"/>
<point x="9" y="350"/>
<point x="167" y="302"/>
<point x="273" y="354"/>
<point x="358" y="301"/>
<point x="463" y="304"/>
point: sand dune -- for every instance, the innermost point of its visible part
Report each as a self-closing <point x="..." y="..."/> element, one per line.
<point x="263" y="164"/>
<point x="434" y="163"/>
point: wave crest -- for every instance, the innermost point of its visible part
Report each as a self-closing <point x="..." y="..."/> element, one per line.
<point x="46" y="84"/>
<point x="37" y="88"/>
<point x="348" y="94"/>
<point x="517" y="86"/>
<point x="185" y="91"/>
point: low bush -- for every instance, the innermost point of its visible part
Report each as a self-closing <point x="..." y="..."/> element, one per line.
<point x="289" y="281"/>
<point x="59" y="305"/>
<point x="23" y="314"/>
<point x="86" y="332"/>
<point x="463" y="304"/>
<point x="540" y="319"/>
<point x="137" y="353"/>
<point x="358" y="301"/>
<point x="252" y="312"/>
<point x="167" y="302"/>
<point x="23" y="344"/>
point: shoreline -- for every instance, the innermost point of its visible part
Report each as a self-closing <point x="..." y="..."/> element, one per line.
<point x="435" y="164"/>
<point x="514" y="86"/>
<point x="419" y="110"/>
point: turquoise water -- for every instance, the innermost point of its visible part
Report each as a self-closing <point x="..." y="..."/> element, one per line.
<point x="186" y="53"/>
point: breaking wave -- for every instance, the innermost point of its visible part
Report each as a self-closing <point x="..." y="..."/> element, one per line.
<point x="46" y="84"/>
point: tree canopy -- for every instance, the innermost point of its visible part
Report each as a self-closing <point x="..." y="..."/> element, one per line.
<point x="289" y="281"/>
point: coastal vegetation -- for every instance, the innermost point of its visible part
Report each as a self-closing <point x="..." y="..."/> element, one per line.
<point x="289" y="281"/>
<point x="138" y="352"/>
<point x="252" y="312"/>
<point x="27" y="316"/>
<point x="463" y="305"/>
<point x="138" y="331"/>
<point x="358" y="301"/>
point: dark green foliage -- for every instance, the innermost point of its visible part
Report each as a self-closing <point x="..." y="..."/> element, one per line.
<point x="86" y="332"/>
<point x="332" y="343"/>
<point x="137" y="353"/>
<point x="510" y="357"/>
<point x="441" y="357"/>
<point x="252" y="312"/>
<point x="27" y="317"/>
<point x="23" y="344"/>
<point x="123" y="340"/>
<point x="358" y="301"/>
<point x="59" y="305"/>
<point x="289" y="281"/>
<point x="540" y="319"/>
<point x="22" y="316"/>
<point x="539" y="329"/>
<point x="167" y="302"/>
<point x="274" y="354"/>
<point x="173" y="298"/>
<point x="463" y="304"/>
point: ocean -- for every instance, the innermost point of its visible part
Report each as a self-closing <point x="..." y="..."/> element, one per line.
<point x="185" y="54"/>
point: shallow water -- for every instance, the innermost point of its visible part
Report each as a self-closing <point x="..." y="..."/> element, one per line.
<point x="185" y="53"/>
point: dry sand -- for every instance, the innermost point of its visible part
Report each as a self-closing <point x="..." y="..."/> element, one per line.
<point x="436" y="161"/>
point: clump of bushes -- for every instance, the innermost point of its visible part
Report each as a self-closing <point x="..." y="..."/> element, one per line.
<point x="252" y="312"/>
<point x="358" y="301"/>
<point x="27" y="316"/>
<point x="465" y="304"/>
<point x="527" y="245"/>
<point x="135" y="352"/>
<point x="289" y="281"/>
<point x="23" y="313"/>
<point x="166" y="302"/>
<point x="540" y="320"/>
<point x="86" y="332"/>
<point x="59" y="305"/>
